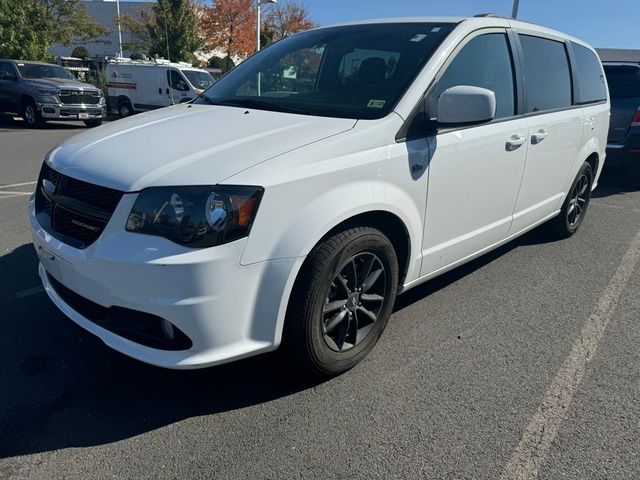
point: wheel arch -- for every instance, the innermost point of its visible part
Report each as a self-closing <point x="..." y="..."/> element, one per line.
<point x="389" y="224"/>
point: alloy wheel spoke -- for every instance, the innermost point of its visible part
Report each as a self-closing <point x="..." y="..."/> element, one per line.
<point x="365" y="270"/>
<point x="367" y="313"/>
<point x="343" y="284"/>
<point x="371" y="297"/>
<point x="371" y="280"/>
<point x="332" y="306"/>
<point x="335" y="321"/>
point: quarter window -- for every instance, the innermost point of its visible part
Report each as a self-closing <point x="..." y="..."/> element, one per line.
<point x="483" y="62"/>
<point x="590" y="75"/>
<point x="546" y="73"/>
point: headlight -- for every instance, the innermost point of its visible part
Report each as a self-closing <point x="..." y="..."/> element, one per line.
<point x="47" y="91"/>
<point x="197" y="217"/>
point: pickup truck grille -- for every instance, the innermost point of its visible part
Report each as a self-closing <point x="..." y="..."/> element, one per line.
<point x="75" y="97"/>
<point x="73" y="211"/>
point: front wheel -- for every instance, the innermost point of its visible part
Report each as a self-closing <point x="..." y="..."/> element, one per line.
<point x="342" y="301"/>
<point x="575" y="205"/>
<point x="31" y="115"/>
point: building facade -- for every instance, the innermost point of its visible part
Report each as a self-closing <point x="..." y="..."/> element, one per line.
<point x="105" y="13"/>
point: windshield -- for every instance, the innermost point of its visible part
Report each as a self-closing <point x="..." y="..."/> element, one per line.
<point x="201" y="80"/>
<point x="37" y="70"/>
<point x="358" y="71"/>
<point x="623" y="80"/>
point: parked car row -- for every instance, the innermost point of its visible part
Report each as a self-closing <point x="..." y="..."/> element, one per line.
<point x="39" y="91"/>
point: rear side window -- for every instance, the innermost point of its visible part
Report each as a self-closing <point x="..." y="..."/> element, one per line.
<point x="546" y="73"/>
<point x="483" y="62"/>
<point x="623" y="80"/>
<point x="590" y="76"/>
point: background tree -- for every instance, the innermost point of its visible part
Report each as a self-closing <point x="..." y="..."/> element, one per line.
<point x="170" y="29"/>
<point x="224" y="64"/>
<point x="230" y="26"/>
<point x="28" y="28"/>
<point x="80" y="52"/>
<point x="286" y="18"/>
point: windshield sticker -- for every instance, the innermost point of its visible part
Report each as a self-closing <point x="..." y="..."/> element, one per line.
<point x="21" y="64"/>
<point x="376" y="103"/>
<point x="419" y="37"/>
<point x="436" y="29"/>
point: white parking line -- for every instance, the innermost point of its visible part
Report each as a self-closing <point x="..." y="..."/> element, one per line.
<point x="532" y="451"/>
<point x="17" y="185"/>
<point x="29" y="291"/>
<point x="9" y="194"/>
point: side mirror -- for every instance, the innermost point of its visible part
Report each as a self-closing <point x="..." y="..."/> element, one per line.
<point x="466" y="105"/>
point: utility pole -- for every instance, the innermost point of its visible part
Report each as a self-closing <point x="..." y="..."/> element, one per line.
<point x="516" y="4"/>
<point x="119" y="29"/>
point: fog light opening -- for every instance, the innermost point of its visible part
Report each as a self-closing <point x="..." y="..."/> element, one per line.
<point x="167" y="330"/>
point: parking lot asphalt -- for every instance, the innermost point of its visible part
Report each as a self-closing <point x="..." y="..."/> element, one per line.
<point x="521" y="364"/>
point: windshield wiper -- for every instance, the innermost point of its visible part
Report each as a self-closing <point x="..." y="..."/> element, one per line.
<point x="255" y="104"/>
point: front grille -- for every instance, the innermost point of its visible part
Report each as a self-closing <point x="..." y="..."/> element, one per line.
<point x="140" y="327"/>
<point x="71" y="210"/>
<point x="75" y="97"/>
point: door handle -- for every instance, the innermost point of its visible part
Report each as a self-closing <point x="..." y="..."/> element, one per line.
<point x="516" y="142"/>
<point x="160" y="91"/>
<point x="167" y="91"/>
<point x="539" y="136"/>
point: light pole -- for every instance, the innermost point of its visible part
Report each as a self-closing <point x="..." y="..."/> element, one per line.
<point x="516" y="4"/>
<point x="119" y="29"/>
<point x="259" y="4"/>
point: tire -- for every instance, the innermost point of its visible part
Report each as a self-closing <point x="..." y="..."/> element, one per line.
<point x="31" y="115"/>
<point x="124" y="108"/>
<point x="330" y="326"/>
<point x="575" y="205"/>
<point x="92" y="123"/>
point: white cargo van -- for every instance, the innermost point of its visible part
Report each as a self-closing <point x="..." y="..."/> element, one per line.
<point x="136" y="86"/>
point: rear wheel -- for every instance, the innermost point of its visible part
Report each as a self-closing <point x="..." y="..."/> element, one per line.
<point x="31" y="115"/>
<point x="124" y="108"/>
<point x="342" y="301"/>
<point x="575" y="205"/>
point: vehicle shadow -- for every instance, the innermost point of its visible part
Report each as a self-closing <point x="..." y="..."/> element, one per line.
<point x="15" y="123"/>
<point x="616" y="180"/>
<point x="62" y="387"/>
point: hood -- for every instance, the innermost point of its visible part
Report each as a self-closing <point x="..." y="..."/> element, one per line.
<point x="59" y="83"/>
<point x="186" y="145"/>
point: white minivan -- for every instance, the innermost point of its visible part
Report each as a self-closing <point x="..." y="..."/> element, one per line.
<point x="323" y="176"/>
<point x="138" y="86"/>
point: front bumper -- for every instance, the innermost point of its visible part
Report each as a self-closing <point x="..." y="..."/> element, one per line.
<point x="55" y="111"/>
<point x="227" y="310"/>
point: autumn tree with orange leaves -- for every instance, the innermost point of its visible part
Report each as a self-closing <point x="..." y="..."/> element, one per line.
<point x="288" y="17"/>
<point x="230" y="25"/>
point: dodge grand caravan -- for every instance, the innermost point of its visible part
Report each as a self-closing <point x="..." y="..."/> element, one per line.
<point x="325" y="175"/>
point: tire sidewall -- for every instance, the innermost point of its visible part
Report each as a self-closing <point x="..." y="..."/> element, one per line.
<point x="324" y="357"/>
<point x="586" y="168"/>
